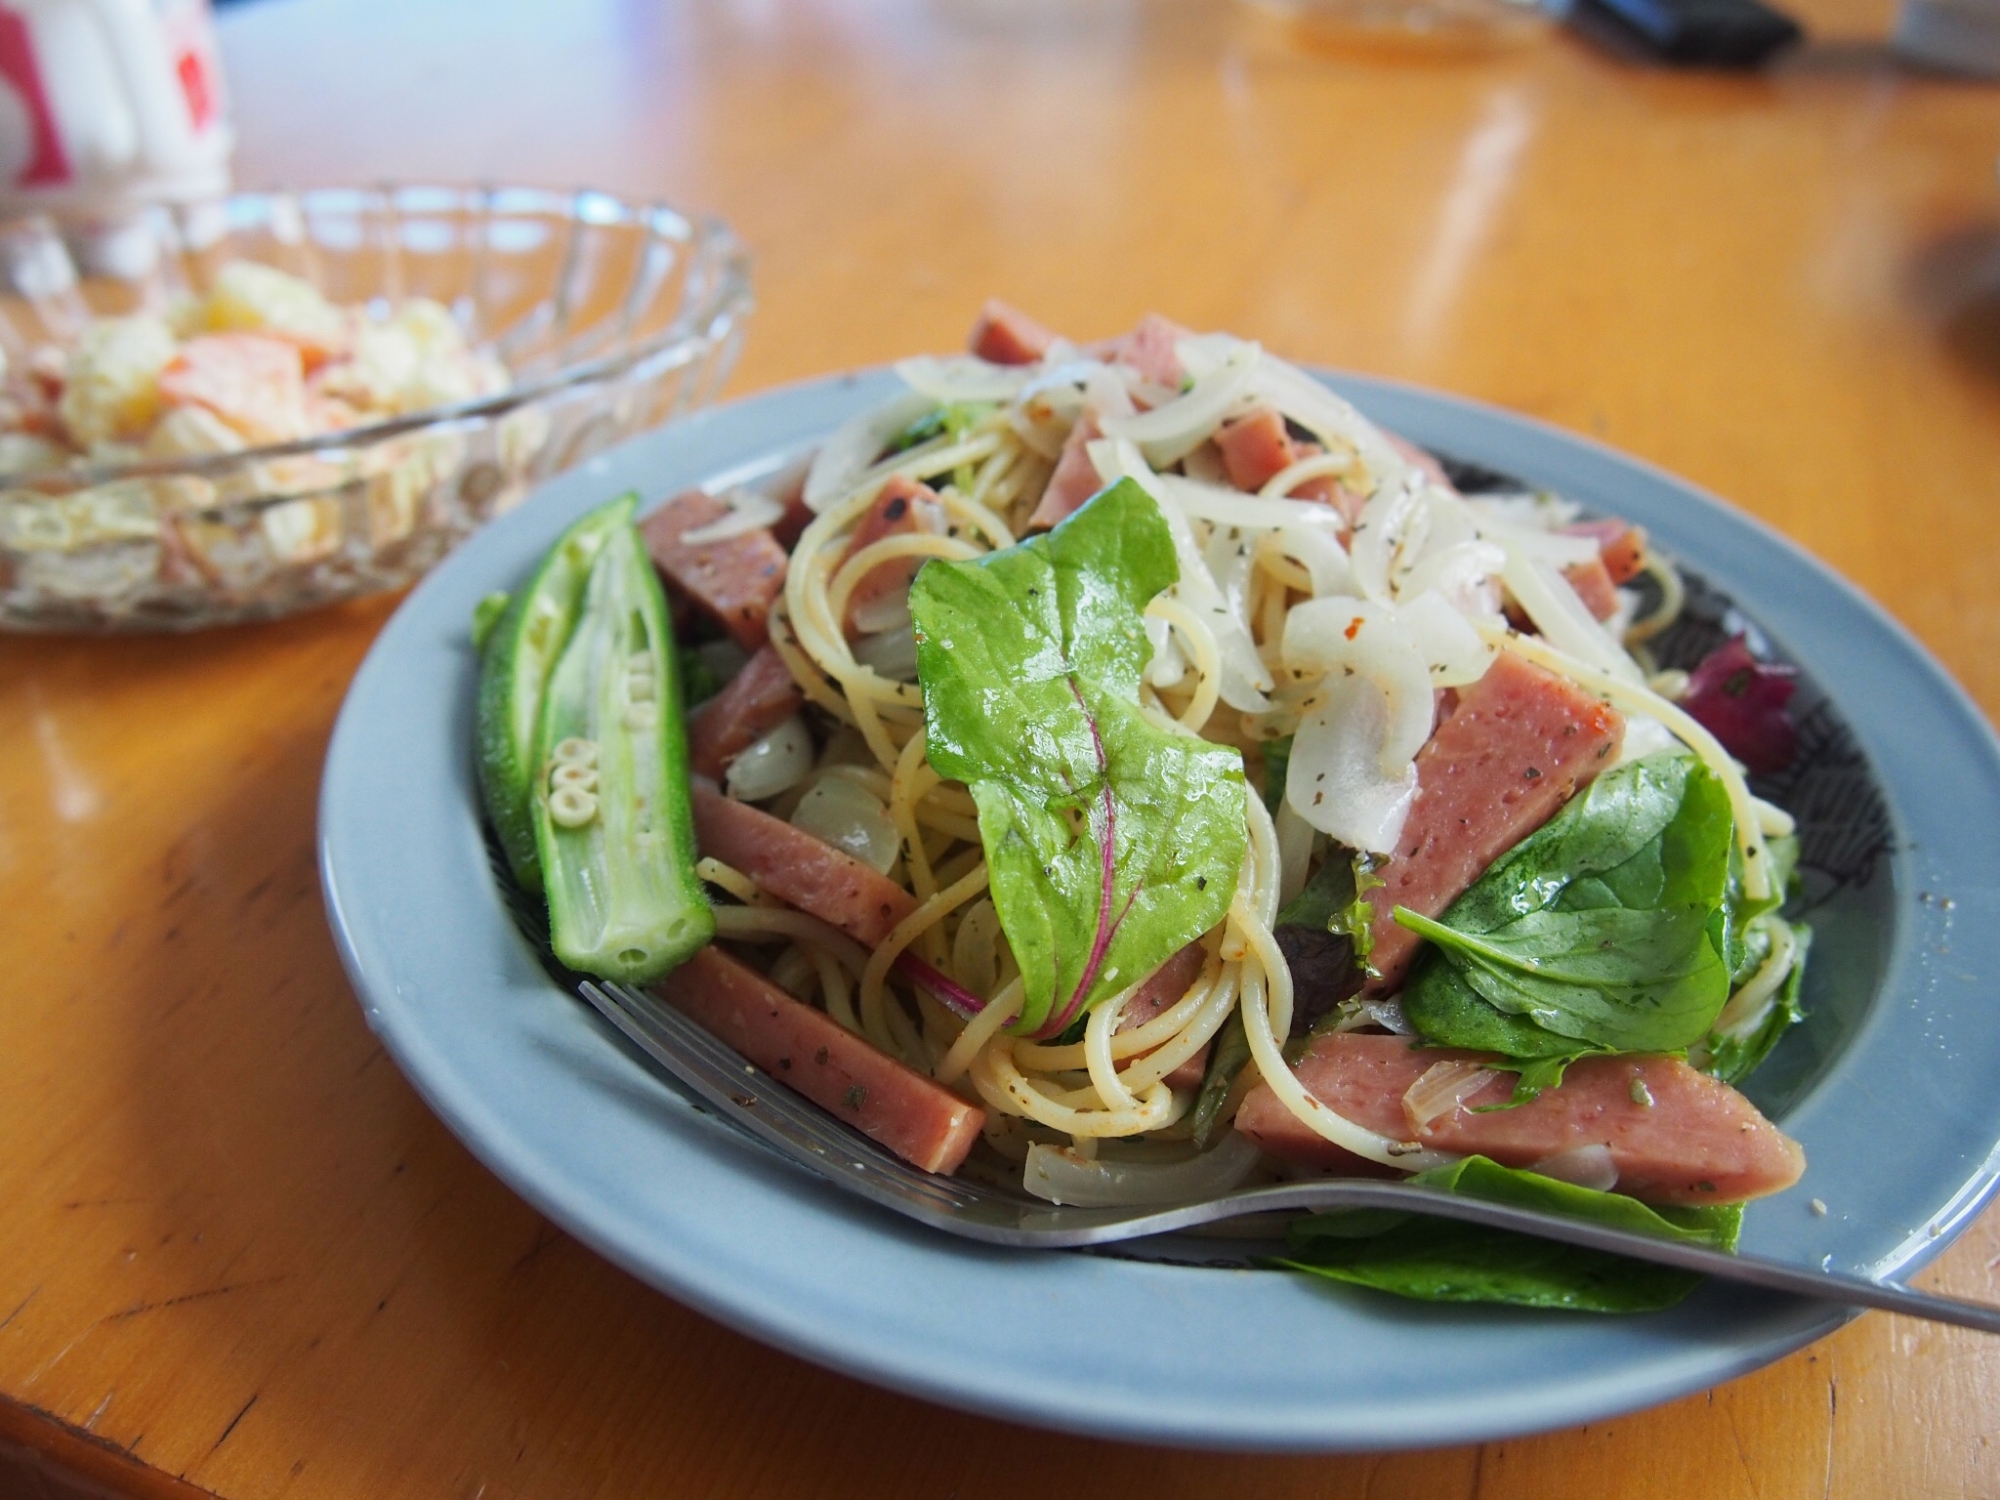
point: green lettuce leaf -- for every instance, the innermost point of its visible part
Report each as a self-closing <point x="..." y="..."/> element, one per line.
<point x="1437" y="1260"/>
<point x="1111" y="840"/>
<point x="1603" y="931"/>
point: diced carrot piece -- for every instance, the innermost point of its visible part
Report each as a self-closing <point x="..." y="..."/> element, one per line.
<point x="796" y="867"/>
<point x="927" y="1125"/>
<point x="735" y="580"/>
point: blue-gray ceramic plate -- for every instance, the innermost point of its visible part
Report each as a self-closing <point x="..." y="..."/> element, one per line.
<point x="1889" y="1085"/>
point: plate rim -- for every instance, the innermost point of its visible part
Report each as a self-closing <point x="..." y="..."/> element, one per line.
<point x="475" y="1122"/>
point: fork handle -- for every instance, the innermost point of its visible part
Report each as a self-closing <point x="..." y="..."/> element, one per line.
<point x="1751" y="1270"/>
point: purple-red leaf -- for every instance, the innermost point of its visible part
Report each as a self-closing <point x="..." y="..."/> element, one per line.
<point x="1741" y="701"/>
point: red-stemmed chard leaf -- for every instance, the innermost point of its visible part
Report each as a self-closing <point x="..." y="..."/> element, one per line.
<point x="1741" y="701"/>
<point x="1111" y="842"/>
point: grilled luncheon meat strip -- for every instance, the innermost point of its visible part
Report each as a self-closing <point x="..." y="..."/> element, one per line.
<point x="751" y="704"/>
<point x="1520" y="743"/>
<point x="808" y="1050"/>
<point x="1075" y="478"/>
<point x="734" y="579"/>
<point x="1675" y="1135"/>
<point x="796" y="867"/>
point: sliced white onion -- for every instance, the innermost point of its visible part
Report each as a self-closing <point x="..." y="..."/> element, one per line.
<point x="1466" y="574"/>
<point x="845" y="814"/>
<point x="1327" y="417"/>
<point x="1319" y="552"/>
<point x="1560" y="617"/>
<point x="748" y="511"/>
<point x="891" y="652"/>
<point x="1335" y="636"/>
<point x="1644" y="736"/>
<point x="1387" y="1014"/>
<point x="1581" y="1166"/>
<point x="775" y="763"/>
<point x="1541" y="511"/>
<point x="1223" y="506"/>
<point x="1172" y="430"/>
<point x="962" y="377"/>
<point x="882" y="614"/>
<point x="1445" y="639"/>
<point x="855" y="445"/>
<point x="1555" y="547"/>
<point x="1442" y="1090"/>
<point x="1245" y="680"/>
<point x="1068" y="386"/>
<point x="1059" y="1174"/>
<point x="1335" y="779"/>
<point x="1389" y="523"/>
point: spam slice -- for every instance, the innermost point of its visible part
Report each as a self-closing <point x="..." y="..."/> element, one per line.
<point x="903" y="507"/>
<point x="734" y="578"/>
<point x="1520" y="743"/>
<point x="794" y="866"/>
<point x="751" y="704"/>
<point x="925" y="1124"/>
<point x="1675" y="1135"/>
<point x="1007" y="336"/>
<point x="1075" y="478"/>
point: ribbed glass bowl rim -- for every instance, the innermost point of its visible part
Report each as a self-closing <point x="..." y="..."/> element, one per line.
<point x="722" y="298"/>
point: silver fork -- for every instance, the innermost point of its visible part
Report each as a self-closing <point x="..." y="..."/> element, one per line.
<point x="808" y="1136"/>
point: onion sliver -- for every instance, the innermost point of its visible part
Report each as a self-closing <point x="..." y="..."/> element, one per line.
<point x="1445" y="639"/>
<point x="1227" y="507"/>
<point x="848" y="816"/>
<point x="1170" y="432"/>
<point x="857" y="443"/>
<point x="1442" y="1090"/>
<point x="1336" y="781"/>
<point x="1581" y="1166"/>
<point x="773" y="764"/>
<point x="748" y="511"/>
<point x="961" y="377"/>
<point x="1059" y="1175"/>
<point x="1343" y="635"/>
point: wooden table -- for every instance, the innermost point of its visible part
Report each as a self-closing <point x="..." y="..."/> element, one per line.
<point x="238" y="1255"/>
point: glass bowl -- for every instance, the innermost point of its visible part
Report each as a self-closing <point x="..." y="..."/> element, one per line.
<point x="609" y="316"/>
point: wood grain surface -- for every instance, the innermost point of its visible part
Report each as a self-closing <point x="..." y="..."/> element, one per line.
<point x="237" y="1254"/>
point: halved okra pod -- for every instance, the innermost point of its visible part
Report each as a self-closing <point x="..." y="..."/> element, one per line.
<point x="613" y="822"/>
<point x="519" y="653"/>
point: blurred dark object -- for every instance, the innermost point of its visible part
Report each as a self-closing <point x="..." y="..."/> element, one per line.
<point x="1694" y="33"/>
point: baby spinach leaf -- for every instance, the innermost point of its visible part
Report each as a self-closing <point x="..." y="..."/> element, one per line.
<point x="1603" y="931"/>
<point x="1438" y="1260"/>
<point x="1326" y="932"/>
<point x="1732" y="1059"/>
<point x="1111" y="840"/>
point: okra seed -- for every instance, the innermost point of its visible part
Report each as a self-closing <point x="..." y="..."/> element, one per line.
<point x="571" y="807"/>
<point x="575" y="752"/>
<point x="640" y="689"/>
<point x="641" y="716"/>
<point x="569" y="773"/>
